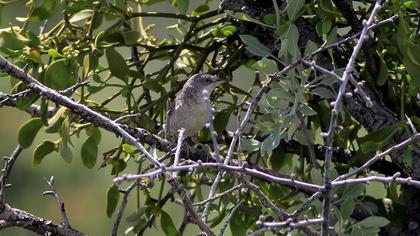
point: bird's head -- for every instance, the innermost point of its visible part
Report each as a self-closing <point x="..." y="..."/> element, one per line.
<point x="200" y="82"/>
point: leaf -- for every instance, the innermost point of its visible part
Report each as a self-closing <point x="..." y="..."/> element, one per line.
<point x="10" y="41"/>
<point x="378" y="139"/>
<point x="271" y="142"/>
<point x="117" y="64"/>
<point x="118" y="166"/>
<point x="129" y="149"/>
<point x="28" y="131"/>
<point x="221" y="120"/>
<point x="81" y="15"/>
<point x="323" y="92"/>
<point x="58" y="75"/>
<point x="43" y="149"/>
<point x="113" y="197"/>
<point x="250" y="145"/>
<point x="228" y="30"/>
<point x="347" y="208"/>
<point x="94" y="133"/>
<point x="65" y="152"/>
<point x="266" y="65"/>
<point x="168" y="225"/>
<point x="307" y="110"/>
<point x="383" y="71"/>
<point x="254" y="46"/>
<point x="24" y="102"/>
<point x="44" y="11"/>
<point x="182" y="5"/>
<point x="408" y="157"/>
<point x="293" y="8"/>
<point x="89" y="152"/>
<point x="200" y="10"/>
<point x="246" y="17"/>
<point x="373" y="222"/>
<point x="316" y="176"/>
<point x="136" y="215"/>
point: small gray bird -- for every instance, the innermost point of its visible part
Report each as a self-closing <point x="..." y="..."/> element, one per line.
<point x="189" y="110"/>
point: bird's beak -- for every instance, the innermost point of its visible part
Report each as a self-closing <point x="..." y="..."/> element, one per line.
<point x="220" y="81"/>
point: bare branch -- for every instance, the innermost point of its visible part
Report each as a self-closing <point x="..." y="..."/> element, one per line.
<point x="60" y="204"/>
<point x="5" y="172"/>
<point x="329" y="136"/>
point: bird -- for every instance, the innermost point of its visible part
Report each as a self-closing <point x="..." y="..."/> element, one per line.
<point x="189" y="109"/>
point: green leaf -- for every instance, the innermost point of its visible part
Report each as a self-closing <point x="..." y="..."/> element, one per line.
<point x="250" y="145"/>
<point x="323" y="92"/>
<point x="136" y="215"/>
<point x="228" y="30"/>
<point x="254" y="46"/>
<point x="307" y="110"/>
<point x="410" y="5"/>
<point x="383" y="71"/>
<point x="347" y="208"/>
<point x="246" y="17"/>
<point x="43" y="149"/>
<point x="293" y="8"/>
<point x="326" y="26"/>
<point x="378" y="139"/>
<point x="89" y="152"/>
<point x="81" y="15"/>
<point x="58" y="75"/>
<point x="266" y="65"/>
<point x="200" y="10"/>
<point x="153" y="85"/>
<point x="113" y="197"/>
<point x="65" y="152"/>
<point x="182" y="6"/>
<point x="28" y="131"/>
<point x="408" y="157"/>
<point x="117" y="64"/>
<point x="10" y="41"/>
<point x="131" y="37"/>
<point x="270" y="19"/>
<point x="373" y="222"/>
<point x="221" y="120"/>
<point x="24" y="102"/>
<point x="94" y="133"/>
<point x="118" y="166"/>
<point x="44" y="11"/>
<point x="271" y="142"/>
<point x="316" y="176"/>
<point x="129" y="149"/>
<point x="168" y="225"/>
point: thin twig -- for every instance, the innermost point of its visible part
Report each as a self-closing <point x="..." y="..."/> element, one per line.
<point x="231" y="214"/>
<point x="337" y="105"/>
<point x="178" y="150"/>
<point x="219" y="195"/>
<point x="60" y="204"/>
<point x="5" y="172"/>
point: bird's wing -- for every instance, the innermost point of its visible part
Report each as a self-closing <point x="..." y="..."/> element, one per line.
<point x="170" y="107"/>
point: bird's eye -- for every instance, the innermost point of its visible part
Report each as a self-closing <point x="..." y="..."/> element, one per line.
<point x="208" y="80"/>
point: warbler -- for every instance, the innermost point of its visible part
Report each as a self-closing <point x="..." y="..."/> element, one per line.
<point x="189" y="110"/>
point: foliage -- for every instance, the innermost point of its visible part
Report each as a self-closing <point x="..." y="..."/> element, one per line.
<point x="90" y="41"/>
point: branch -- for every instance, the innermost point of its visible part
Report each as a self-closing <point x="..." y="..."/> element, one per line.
<point x="60" y="204"/>
<point x="229" y="168"/>
<point x="329" y="136"/>
<point x="10" y="217"/>
<point x="84" y="111"/>
<point x="5" y="172"/>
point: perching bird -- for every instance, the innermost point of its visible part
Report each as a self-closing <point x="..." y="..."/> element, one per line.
<point x="189" y="110"/>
